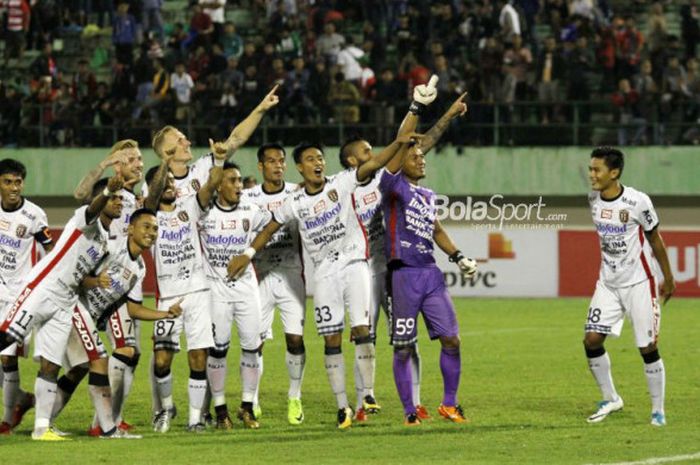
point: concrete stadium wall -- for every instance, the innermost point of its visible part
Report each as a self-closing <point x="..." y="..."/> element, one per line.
<point x="668" y="171"/>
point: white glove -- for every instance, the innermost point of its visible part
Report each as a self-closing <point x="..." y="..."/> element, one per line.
<point x="467" y="266"/>
<point x="424" y="95"/>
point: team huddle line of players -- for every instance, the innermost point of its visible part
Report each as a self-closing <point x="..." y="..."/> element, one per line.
<point x="225" y="256"/>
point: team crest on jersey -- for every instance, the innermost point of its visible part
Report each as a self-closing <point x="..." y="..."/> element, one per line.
<point x="606" y="214"/>
<point x="196" y="185"/>
<point x="303" y="212"/>
<point x="183" y="216"/>
<point x="333" y="195"/>
<point x="21" y="231"/>
<point x="320" y="206"/>
<point x="624" y="216"/>
<point x="246" y="225"/>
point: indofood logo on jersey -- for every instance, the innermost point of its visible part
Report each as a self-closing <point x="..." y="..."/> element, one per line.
<point x="176" y="235"/>
<point x="322" y="219"/>
<point x="9" y="241"/>
<point x="605" y="228"/>
<point x="225" y="240"/>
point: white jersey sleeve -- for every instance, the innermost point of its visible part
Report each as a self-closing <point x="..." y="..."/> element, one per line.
<point x="368" y="205"/>
<point x="645" y="213"/>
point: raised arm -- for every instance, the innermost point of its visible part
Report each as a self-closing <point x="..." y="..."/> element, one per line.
<point x="114" y="184"/>
<point x="242" y="132"/>
<point x="84" y="189"/>
<point x="467" y="266"/>
<point x="458" y="108"/>
<point x="657" y="245"/>
<point x="238" y="263"/>
<point x="367" y="169"/>
<point x="159" y="181"/>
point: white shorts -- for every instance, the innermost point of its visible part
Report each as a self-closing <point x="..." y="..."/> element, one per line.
<point x="195" y="320"/>
<point x="241" y="307"/>
<point x="285" y="289"/>
<point x="14" y="349"/>
<point x="84" y="343"/>
<point x="638" y="302"/>
<point x="378" y="298"/>
<point x="36" y="309"/>
<point x="348" y="288"/>
<point x="122" y="330"/>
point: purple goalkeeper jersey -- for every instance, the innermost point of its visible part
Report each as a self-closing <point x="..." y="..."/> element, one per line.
<point x="409" y="215"/>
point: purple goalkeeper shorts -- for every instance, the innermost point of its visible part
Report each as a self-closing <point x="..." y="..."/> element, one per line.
<point x="414" y="290"/>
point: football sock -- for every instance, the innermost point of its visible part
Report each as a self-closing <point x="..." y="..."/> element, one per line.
<point x="403" y="379"/>
<point x="600" y="368"/>
<point x="155" y="397"/>
<point x="164" y="386"/>
<point x="451" y="368"/>
<point x="359" y="387"/>
<point x="415" y="371"/>
<point x="335" y="369"/>
<point x="216" y="372"/>
<point x="295" y="369"/>
<point x="256" y="400"/>
<point x="196" y="389"/>
<point x="251" y="363"/>
<point x="45" y="392"/>
<point x="656" y="380"/>
<point x="364" y="359"/>
<point x="117" y="370"/>
<point x="64" y="390"/>
<point x="129" y="379"/>
<point x="10" y="390"/>
<point x="101" y="397"/>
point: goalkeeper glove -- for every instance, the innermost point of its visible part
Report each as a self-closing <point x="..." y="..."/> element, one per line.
<point x="423" y="95"/>
<point x="467" y="266"/>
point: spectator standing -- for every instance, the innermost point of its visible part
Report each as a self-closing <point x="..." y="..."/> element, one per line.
<point x="152" y="19"/>
<point x="216" y="11"/>
<point x="329" y="44"/>
<point x="231" y="42"/>
<point x="690" y="28"/>
<point x="182" y="84"/>
<point x="18" y="16"/>
<point x="124" y="34"/>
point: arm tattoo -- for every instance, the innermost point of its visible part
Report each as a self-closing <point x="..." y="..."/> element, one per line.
<point x="433" y="135"/>
<point x="84" y="189"/>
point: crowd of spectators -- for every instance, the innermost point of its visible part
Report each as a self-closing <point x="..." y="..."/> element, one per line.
<point x="354" y="62"/>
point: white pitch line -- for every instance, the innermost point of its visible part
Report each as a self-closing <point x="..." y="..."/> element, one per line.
<point x="657" y="460"/>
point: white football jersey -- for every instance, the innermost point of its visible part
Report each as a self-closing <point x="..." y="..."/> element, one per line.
<point x="226" y="232"/>
<point x="330" y="230"/>
<point x="126" y="275"/>
<point x="626" y="257"/>
<point x="368" y="205"/>
<point x="283" y="250"/>
<point x="80" y="249"/>
<point x="20" y="230"/>
<point x="189" y="184"/>
<point x="178" y="252"/>
<point x="130" y="203"/>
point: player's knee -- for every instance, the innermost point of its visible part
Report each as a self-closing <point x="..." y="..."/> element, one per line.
<point x="197" y="359"/>
<point x="333" y="340"/>
<point x="8" y="360"/>
<point x="593" y="341"/>
<point x="296" y="349"/>
<point x="294" y="341"/>
<point x="100" y="366"/>
<point x="359" y="332"/>
<point x="650" y="353"/>
<point x="48" y="371"/>
<point x="403" y="353"/>
<point x="129" y="352"/>
<point x="450" y="342"/>
<point x="216" y="353"/>
<point x="161" y="371"/>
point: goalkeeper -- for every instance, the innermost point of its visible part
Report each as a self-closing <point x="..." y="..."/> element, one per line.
<point x="415" y="283"/>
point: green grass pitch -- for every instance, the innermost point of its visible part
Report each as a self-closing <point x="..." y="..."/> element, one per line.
<point x="525" y="386"/>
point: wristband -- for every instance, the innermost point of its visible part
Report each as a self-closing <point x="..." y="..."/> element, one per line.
<point x="456" y="257"/>
<point x="249" y="252"/>
<point x="416" y="108"/>
<point x="107" y="192"/>
<point x="218" y="163"/>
